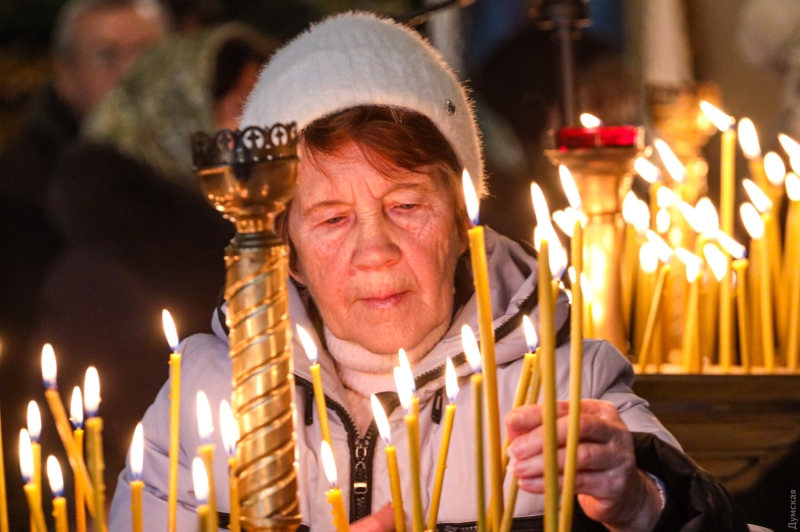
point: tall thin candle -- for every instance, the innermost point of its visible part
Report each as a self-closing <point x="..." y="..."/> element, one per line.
<point x="76" y="417"/>
<point x="230" y="437"/>
<point x="205" y="427"/>
<point x="57" y="487"/>
<point x="137" y="464"/>
<point x="691" y="355"/>
<point x="316" y="377"/>
<point x="35" y="430"/>
<point x="755" y="227"/>
<point x="451" y="388"/>
<point x="790" y="272"/>
<point x="335" y="494"/>
<point x="94" y="445"/>
<point x="404" y="381"/>
<point x="174" y="419"/>
<point x="3" y="496"/>
<point x="201" y="489"/>
<point x="26" y="466"/>
<point x="725" y="124"/>
<point x="472" y="353"/>
<point x="740" y="267"/>
<point x="391" y="461"/>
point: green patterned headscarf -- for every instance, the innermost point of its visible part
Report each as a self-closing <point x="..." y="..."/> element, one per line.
<point x="167" y="96"/>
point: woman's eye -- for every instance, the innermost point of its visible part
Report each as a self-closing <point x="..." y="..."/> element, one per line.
<point x="406" y="206"/>
<point x="335" y="220"/>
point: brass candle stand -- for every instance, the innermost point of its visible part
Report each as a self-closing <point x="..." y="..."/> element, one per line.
<point x="250" y="175"/>
<point x="603" y="177"/>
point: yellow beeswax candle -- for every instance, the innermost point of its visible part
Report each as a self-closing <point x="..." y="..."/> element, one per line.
<point x="335" y="494"/>
<point x="740" y="267"/>
<point x="391" y="460"/>
<point x="76" y="417"/>
<point x="230" y="437"/>
<point x="547" y="363"/>
<point x="748" y="138"/>
<point x="472" y="353"/>
<point x="653" y="319"/>
<point x="648" y="264"/>
<point x="725" y="124"/>
<point x="316" y="378"/>
<point x="451" y="388"/>
<point x="49" y="375"/>
<point x="206" y="453"/>
<point x="480" y="275"/>
<point x="94" y="445"/>
<point x="754" y="223"/>
<point x="137" y="463"/>
<point x="32" y="492"/>
<point x="201" y="489"/>
<point x="790" y="277"/>
<point x="174" y="419"/>
<point x="35" y="431"/>
<point x="690" y="347"/>
<point x="629" y="277"/>
<point x="717" y="262"/>
<point x="406" y="388"/>
<point x="57" y="487"/>
<point x="3" y="496"/>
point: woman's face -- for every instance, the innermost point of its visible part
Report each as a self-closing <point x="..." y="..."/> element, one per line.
<point x="378" y="255"/>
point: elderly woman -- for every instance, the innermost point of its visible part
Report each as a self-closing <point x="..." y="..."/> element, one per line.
<point x="378" y="240"/>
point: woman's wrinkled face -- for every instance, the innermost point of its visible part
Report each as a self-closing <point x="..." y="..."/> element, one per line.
<point x="377" y="254"/>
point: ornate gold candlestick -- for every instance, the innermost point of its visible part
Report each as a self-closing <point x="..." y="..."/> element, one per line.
<point x="249" y="176"/>
<point x="603" y="176"/>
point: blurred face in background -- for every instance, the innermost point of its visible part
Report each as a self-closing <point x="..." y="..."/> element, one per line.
<point x="105" y="43"/>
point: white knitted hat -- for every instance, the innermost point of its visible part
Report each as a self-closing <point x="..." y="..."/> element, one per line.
<point x="359" y="59"/>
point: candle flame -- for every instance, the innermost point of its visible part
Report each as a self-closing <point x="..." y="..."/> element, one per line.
<point x="589" y="121"/>
<point x="55" y="477"/>
<point x="76" y="408"/>
<point x="34" y="421"/>
<point x="790" y="146"/>
<point x="406" y="367"/>
<point x="665" y="198"/>
<point x="25" y="455"/>
<point x="137" y="452"/>
<point x="692" y="262"/>
<point x="205" y="425"/>
<point x="641" y="220"/>
<point x="793" y="186"/>
<point x="748" y="138"/>
<point x="200" y="481"/>
<point x="648" y="257"/>
<point x="775" y="168"/>
<point x="169" y="329"/>
<point x="541" y="210"/>
<point x="760" y="200"/>
<point x="91" y="392"/>
<point x="752" y="221"/>
<point x="558" y="258"/>
<point x="646" y="169"/>
<point x="470" y="197"/>
<point x="734" y="249"/>
<point x="404" y="390"/>
<point x="531" y="338"/>
<point x="380" y="419"/>
<point x="49" y="371"/>
<point x="228" y="428"/>
<point x="471" y="349"/>
<point x="570" y="188"/>
<point x="663" y="221"/>
<point x="671" y="161"/>
<point x="328" y="463"/>
<point x="450" y="380"/>
<point x="716" y="260"/>
<point x="629" y="207"/>
<point x="690" y="215"/>
<point x="587" y="287"/>
<point x="707" y="217"/>
<point x="721" y="121"/>
<point x="565" y="220"/>
<point x="308" y="344"/>
<point x="665" y="252"/>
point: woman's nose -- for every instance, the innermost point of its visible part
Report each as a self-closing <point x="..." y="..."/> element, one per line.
<point x="375" y="247"/>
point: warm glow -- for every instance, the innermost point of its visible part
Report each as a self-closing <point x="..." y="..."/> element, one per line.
<point x="752" y="221"/>
<point x="328" y="463"/>
<point x="774" y="168"/>
<point x="308" y="344"/>
<point x="760" y="200"/>
<point x="228" y="428"/>
<point x="690" y="215"/>
<point x="720" y="120"/>
<point x="734" y="249"/>
<point x="570" y="188"/>
<point x="663" y="250"/>
<point x="49" y="372"/>
<point x="748" y="138"/>
<point x="450" y="380"/>
<point x="565" y="220"/>
<point x="793" y="186"/>
<point x="470" y="197"/>
<point x="200" y="481"/>
<point x="590" y="121"/>
<point x="790" y="146"/>
<point x="380" y="419"/>
<point x="665" y="198"/>
<point x="531" y="338"/>
<point x="641" y="221"/>
<point x="471" y="350"/>
<point x="629" y="207"/>
<point x="716" y="260"/>
<point x="406" y="367"/>
<point x="404" y="391"/>
<point x="34" y="421"/>
<point x="558" y="258"/>
<point x="55" y="477"/>
<point x="137" y="452"/>
<point x="692" y="262"/>
<point x="663" y="221"/>
<point x="91" y="392"/>
<point x="25" y="455"/>
<point x="169" y="329"/>
<point x="541" y="210"/>
<point x="648" y="257"/>
<point x="205" y="425"/>
<point x="707" y="217"/>
<point x="587" y="287"/>
<point x="671" y="161"/>
<point x="76" y="408"/>
<point x="646" y="169"/>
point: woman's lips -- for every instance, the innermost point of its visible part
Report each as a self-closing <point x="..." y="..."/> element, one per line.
<point x="384" y="302"/>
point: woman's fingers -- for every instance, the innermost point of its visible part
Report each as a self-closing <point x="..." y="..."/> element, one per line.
<point x="380" y="521"/>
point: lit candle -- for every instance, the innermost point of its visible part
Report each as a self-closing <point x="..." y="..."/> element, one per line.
<point x="174" y="419"/>
<point x="3" y="497"/>
<point x="718" y="263"/>
<point x="648" y="264"/>
<point x="717" y="297"/>
<point x="725" y="124"/>
<point x="486" y="328"/>
<point x="755" y="227"/>
<point x="137" y="464"/>
<point x="391" y="460"/>
<point x="57" y="487"/>
<point x="629" y="275"/>
<point x="772" y="247"/>
<point x="200" y="481"/>
<point x="31" y="491"/>
<point x="472" y="353"/>
<point x="664" y="253"/>
<point x="739" y="266"/>
<point x="49" y="376"/>
<point x="404" y="381"/>
<point x="588" y="296"/>
<point x="35" y="431"/>
<point x="76" y="417"/>
<point x="334" y="494"/>
<point x="790" y="276"/>
<point x="94" y="444"/>
<point x="451" y="388"/>
<point x="316" y="378"/>
<point x="230" y="436"/>
<point x="691" y="353"/>
<point x="751" y="147"/>
<point x="205" y="427"/>
<point x="532" y="340"/>
<point x="773" y="189"/>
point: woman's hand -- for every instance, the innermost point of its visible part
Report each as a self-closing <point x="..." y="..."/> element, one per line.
<point x="610" y="488"/>
<point x="380" y="521"/>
